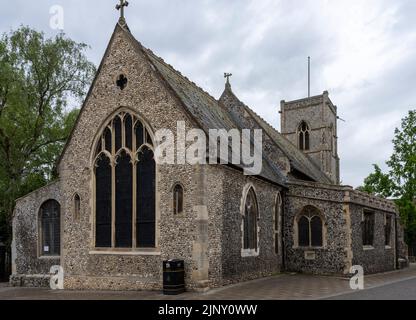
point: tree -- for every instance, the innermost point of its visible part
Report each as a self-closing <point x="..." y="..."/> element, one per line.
<point x="400" y="181"/>
<point x="378" y="183"/>
<point x="38" y="78"/>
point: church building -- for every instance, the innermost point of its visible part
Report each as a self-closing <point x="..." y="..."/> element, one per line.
<point x="115" y="214"/>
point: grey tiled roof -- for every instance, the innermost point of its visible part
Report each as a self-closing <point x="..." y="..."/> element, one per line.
<point x="202" y="107"/>
<point x="297" y="158"/>
<point x="208" y="114"/>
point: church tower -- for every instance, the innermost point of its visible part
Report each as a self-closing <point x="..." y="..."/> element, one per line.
<point x="311" y="125"/>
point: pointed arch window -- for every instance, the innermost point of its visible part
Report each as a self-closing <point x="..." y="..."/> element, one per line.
<point x="125" y="185"/>
<point x="277" y="215"/>
<point x="177" y="199"/>
<point x="250" y="219"/>
<point x="77" y="206"/>
<point x="50" y="224"/>
<point x="304" y="136"/>
<point x="310" y="228"/>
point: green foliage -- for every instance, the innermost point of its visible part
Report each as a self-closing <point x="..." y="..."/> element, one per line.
<point x="38" y="77"/>
<point x="378" y="183"/>
<point x="400" y="181"/>
<point x="403" y="160"/>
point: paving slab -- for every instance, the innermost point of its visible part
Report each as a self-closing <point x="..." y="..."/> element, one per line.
<point x="280" y="287"/>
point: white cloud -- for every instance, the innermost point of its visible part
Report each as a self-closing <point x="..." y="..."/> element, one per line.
<point x="363" y="52"/>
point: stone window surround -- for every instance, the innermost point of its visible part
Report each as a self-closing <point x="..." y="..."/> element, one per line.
<point x="392" y="234"/>
<point x="299" y="131"/>
<point x="392" y="221"/>
<point x="76" y="212"/>
<point x="277" y="215"/>
<point x="40" y="256"/>
<point x="249" y="253"/>
<point x="172" y="190"/>
<point x="368" y="211"/>
<point x="123" y="251"/>
<point x="296" y="231"/>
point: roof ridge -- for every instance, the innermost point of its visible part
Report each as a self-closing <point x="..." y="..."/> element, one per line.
<point x="275" y="131"/>
<point x="252" y="110"/>
<point x="161" y="60"/>
<point x="265" y="121"/>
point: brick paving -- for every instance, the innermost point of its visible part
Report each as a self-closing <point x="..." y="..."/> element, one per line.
<point x="281" y="287"/>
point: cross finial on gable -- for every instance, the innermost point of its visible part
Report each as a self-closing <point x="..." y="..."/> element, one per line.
<point x="120" y="7"/>
<point x="227" y="76"/>
<point x="227" y="84"/>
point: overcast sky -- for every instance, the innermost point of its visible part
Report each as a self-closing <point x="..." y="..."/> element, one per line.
<point x="363" y="53"/>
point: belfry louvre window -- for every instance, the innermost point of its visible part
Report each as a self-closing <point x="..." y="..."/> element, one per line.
<point x="367" y="227"/>
<point x="250" y="218"/>
<point x="304" y="136"/>
<point x="310" y="228"/>
<point x="50" y="217"/>
<point x="125" y="185"/>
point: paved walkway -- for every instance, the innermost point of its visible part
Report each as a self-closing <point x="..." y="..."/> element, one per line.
<point x="402" y="290"/>
<point x="282" y="287"/>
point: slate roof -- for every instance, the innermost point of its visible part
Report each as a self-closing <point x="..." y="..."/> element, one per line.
<point x="206" y="111"/>
<point x="208" y="114"/>
<point x="298" y="160"/>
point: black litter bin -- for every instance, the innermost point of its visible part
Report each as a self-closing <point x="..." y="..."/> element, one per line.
<point x="173" y="277"/>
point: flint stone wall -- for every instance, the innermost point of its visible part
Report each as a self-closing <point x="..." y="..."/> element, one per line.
<point x="29" y="268"/>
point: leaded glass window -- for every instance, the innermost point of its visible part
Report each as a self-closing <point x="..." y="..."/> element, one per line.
<point x="250" y="218"/>
<point x="50" y="218"/>
<point x="125" y="185"/>
<point x="277" y="215"/>
<point x="310" y="228"/>
<point x="304" y="136"/>
<point x="177" y="199"/>
<point x="387" y="229"/>
<point x="77" y="206"/>
<point x="368" y="228"/>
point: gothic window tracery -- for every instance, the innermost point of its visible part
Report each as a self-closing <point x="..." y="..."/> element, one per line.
<point x="304" y="136"/>
<point x="310" y="228"/>
<point x="125" y="185"/>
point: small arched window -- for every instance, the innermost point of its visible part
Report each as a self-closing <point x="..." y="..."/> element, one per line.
<point x="304" y="136"/>
<point x="178" y="199"/>
<point x="277" y="215"/>
<point x="250" y="218"/>
<point x="310" y="228"/>
<point x="50" y="233"/>
<point x="77" y="206"/>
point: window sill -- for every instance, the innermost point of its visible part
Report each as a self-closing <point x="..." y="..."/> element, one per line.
<point x="308" y="248"/>
<point x="49" y="257"/>
<point x="249" y="253"/>
<point x="135" y="252"/>
<point x="368" y="248"/>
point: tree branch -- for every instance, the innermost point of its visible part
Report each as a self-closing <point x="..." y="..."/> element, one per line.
<point x="44" y="144"/>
